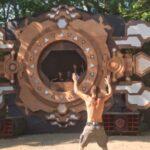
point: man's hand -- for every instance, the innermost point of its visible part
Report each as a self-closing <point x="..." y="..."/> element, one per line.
<point x="109" y="89"/>
<point x="107" y="80"/>
<point x="74" y="77"/>
<point x="83" y="96"/>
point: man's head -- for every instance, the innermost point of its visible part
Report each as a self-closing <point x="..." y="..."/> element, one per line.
<point x="95" y="91"/>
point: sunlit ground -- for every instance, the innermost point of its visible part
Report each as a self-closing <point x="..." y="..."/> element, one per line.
<point x="70" y="142"/>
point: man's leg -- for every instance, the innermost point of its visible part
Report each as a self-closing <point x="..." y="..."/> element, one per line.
<point x="102" y="144"/>
<point x="102" y="138"/>
<point x="84" y="141"/>
<point x="104" y="147"/>
<point x="81" y="142"/>
<point x="81" y="148"/>
<point x="85" y="137"/>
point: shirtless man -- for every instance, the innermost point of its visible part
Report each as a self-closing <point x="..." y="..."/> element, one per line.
<point x="95" y="105"/>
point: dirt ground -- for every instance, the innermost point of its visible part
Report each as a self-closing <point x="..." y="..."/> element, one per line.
<point x="70" y="142"/>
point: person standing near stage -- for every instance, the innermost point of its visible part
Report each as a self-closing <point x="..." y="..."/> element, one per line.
<point x="95" y="103"/>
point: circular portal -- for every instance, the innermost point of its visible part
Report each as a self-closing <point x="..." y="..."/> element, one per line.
<point x="57" y="63"/>
<point x="57" y="45"/>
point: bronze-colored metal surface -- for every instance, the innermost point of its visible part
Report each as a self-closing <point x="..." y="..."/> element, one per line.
<point x="63" y="30"/>
<point x="39" y="35"/>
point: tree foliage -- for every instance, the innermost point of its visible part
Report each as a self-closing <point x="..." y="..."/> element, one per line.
<point x="129" y="9"/>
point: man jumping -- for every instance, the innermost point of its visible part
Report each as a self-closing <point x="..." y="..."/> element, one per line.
<point x="95" y="105"/>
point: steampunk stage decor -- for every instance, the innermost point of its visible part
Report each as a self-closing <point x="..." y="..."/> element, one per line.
<point x="42" y="52"/>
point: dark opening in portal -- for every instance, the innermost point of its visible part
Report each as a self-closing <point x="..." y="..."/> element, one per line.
<point x="59" y="60"/>
<point x="58" y="66"/>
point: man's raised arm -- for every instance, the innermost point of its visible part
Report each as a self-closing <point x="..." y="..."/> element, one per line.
<point x="77" y="91"/>
<point x="108" y="94"/>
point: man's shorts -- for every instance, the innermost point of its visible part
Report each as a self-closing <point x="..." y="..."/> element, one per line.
<point x="93" y="132"/>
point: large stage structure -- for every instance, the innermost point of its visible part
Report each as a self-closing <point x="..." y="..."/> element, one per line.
<point x="40" y="53"/>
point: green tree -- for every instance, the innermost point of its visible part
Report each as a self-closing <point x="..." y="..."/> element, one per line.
<point x="135" y="9"/>
<point x="129" y="9"/>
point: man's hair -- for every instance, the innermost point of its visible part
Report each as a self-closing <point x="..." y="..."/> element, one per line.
<point x="96" y="90"/>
